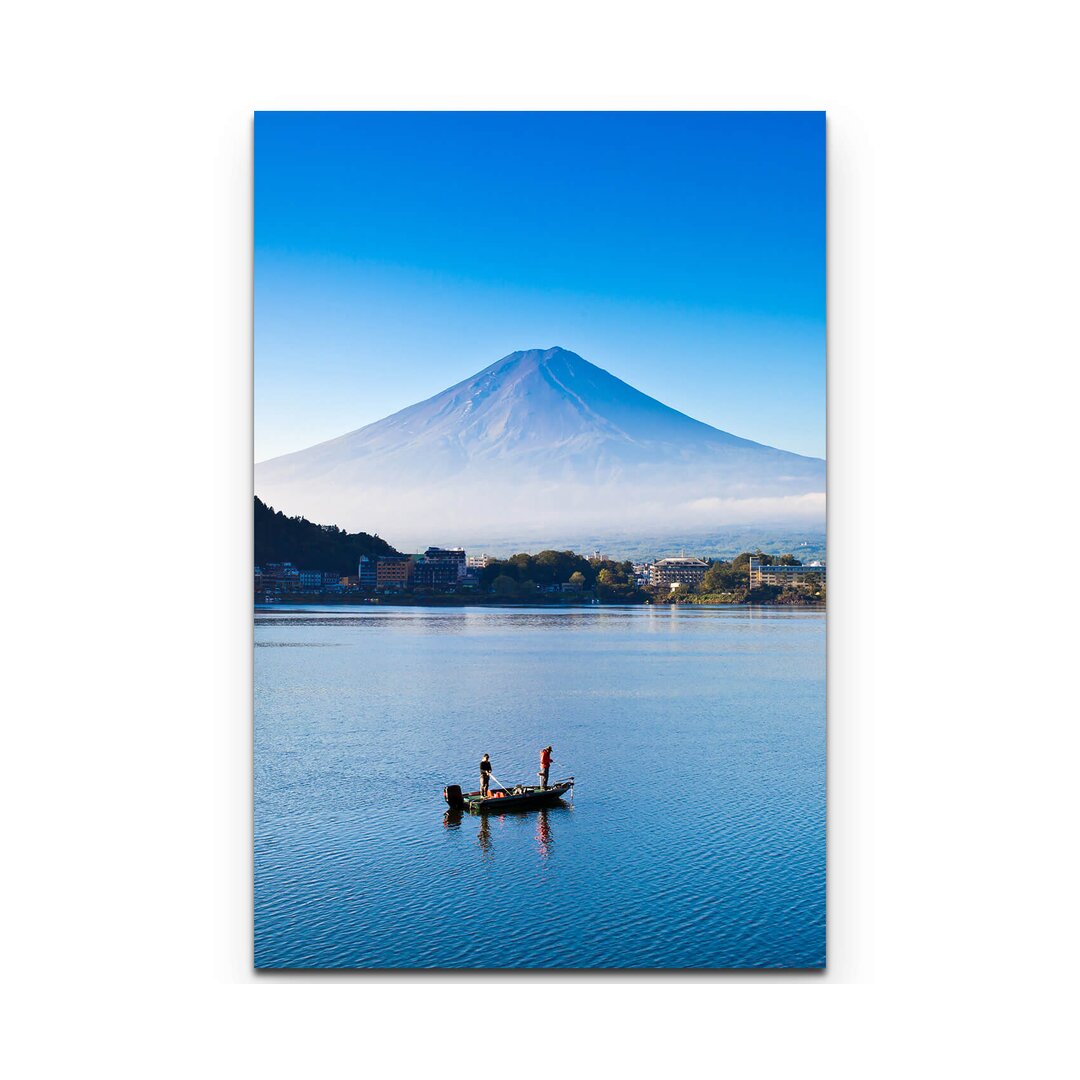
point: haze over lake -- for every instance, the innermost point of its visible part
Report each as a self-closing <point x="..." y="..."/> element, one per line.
<point x="697" y="835"/>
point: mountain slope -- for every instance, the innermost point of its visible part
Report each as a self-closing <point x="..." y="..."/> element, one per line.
<point x="539" y="438"/>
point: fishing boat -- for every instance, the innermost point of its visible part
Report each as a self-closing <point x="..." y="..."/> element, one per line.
<point x="502" y="799"/>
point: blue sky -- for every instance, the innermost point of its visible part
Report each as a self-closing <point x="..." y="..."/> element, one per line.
<point x="398" y="253"/>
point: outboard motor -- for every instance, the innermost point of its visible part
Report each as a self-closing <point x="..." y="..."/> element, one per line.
<point x="452" y="795"/>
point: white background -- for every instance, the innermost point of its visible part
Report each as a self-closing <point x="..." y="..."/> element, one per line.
<point x="126" y="435"/>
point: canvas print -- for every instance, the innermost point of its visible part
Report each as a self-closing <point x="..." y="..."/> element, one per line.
<point x="539" y="532"/>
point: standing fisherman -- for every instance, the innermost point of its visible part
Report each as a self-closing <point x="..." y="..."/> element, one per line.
<point x="485" y="775"/>
<point x="545" y="766"/>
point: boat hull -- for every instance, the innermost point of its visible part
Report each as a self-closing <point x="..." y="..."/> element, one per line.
<point x="502" y="800"/>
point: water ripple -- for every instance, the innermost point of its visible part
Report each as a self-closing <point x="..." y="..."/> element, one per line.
<point x="697" y="838"/>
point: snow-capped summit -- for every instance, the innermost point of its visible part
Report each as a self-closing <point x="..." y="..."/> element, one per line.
<point x="541" y="439"/>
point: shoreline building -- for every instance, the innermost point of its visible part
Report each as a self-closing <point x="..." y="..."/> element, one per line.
<point x="279" y="578"/>
<point x="434" y="571"/>
<point x="311" y="580"/>
<point x="366" y="573"/>
<point x="679" y="571"/>
<point x="385" y="571"/>
<point x="786" y="577"/>
<point x="455" y="556"/>
<point x="440" y="567"/>
<point x="393" y="571"/>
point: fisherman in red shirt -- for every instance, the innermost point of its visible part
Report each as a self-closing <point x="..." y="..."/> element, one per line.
<point x="545" y="765"/>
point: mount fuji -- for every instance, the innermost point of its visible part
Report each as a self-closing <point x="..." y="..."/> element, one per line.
<point x="541" y="444"/>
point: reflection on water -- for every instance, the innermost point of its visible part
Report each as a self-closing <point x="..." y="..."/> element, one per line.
<point x="466" y="620"/>
<point x="452" y="819"/>
<point x="543" y="833"/>
<point x="696" y="736"/>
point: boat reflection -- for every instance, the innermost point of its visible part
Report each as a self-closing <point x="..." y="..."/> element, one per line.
<point x="542" y="821"/>
<point x="483" y="837"/>
<point x="488" y="824"/>
<point x="543" y="833"/>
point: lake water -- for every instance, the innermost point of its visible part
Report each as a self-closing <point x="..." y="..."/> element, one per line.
<point x="697" y="833"/>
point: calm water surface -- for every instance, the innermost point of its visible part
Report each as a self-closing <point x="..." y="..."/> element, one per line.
<point x="697" y="834"/>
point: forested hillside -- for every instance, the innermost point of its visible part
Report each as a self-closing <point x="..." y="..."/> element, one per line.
<point x="309" y="546"/>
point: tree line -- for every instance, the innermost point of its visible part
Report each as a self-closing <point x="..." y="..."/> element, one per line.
<point x="522" y="575"/>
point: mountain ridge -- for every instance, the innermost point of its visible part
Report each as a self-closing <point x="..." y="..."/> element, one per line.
<point x="543" y="364"/>
<point x="581" y="439"/>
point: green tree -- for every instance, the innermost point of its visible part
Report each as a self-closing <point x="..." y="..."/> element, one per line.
<point x="742" y="561"/>
<point x="504" y="585"/>
<point x="552" y="567"/>
<point x="763" y="594"/>
<point x="721" y="577"/>
<point x="577" y="578"/>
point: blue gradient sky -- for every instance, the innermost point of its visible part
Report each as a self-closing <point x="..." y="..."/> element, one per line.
<point x="398" y="253"/>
